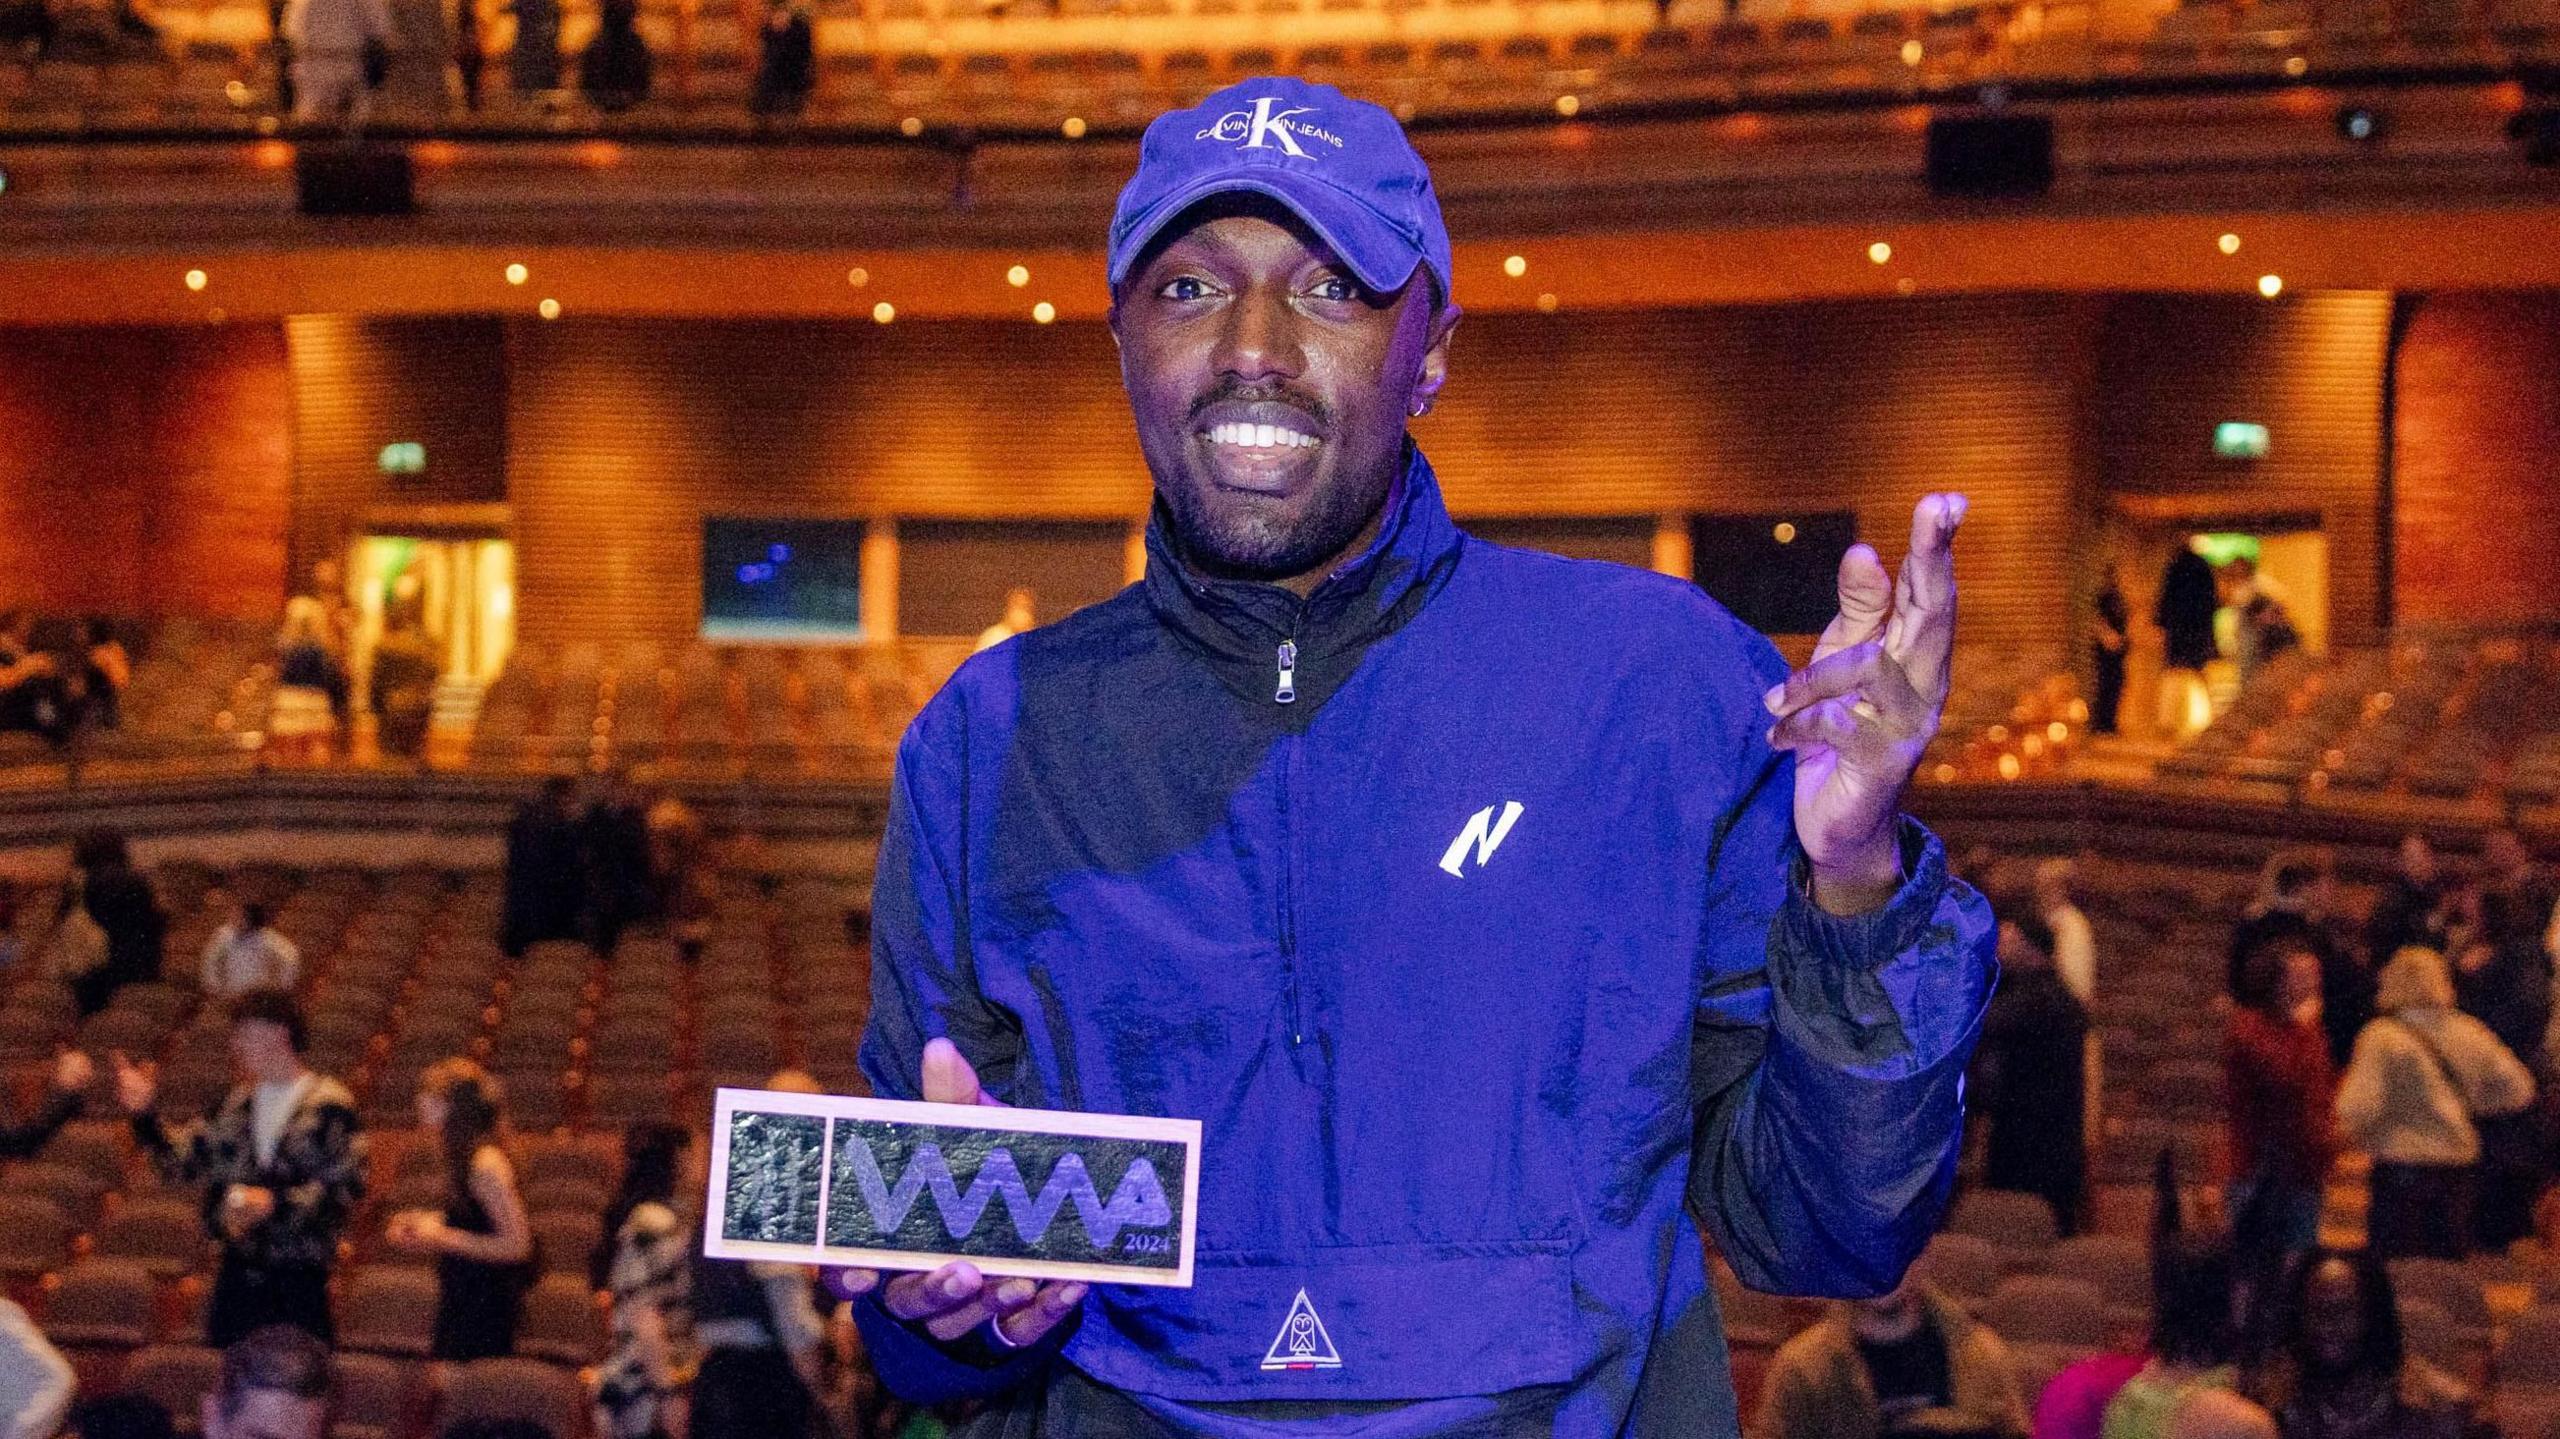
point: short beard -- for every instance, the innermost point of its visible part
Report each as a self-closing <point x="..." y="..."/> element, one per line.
<point x="1248" y="545"/>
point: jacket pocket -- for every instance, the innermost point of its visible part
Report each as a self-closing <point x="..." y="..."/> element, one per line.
<point x="1382" y="1322"/>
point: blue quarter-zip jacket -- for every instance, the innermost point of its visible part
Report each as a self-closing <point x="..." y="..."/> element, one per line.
<point x="1480" y="960"/>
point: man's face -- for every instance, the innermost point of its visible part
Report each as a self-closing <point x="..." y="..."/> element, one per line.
<point x="1270" y="387"/>
<point x="265" y="1414"/>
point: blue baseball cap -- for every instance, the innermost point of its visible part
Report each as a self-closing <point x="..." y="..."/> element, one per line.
<point x="1342" y="165"/>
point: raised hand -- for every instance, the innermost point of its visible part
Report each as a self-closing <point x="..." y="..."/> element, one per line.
<point x="956" y="1298"/>
<point x="136" y="1084"/>
<point x="1860" y="714"/>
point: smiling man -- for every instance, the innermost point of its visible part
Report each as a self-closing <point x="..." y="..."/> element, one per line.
<point x="1498" y="915"/>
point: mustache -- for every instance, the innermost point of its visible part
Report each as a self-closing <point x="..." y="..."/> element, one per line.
<point x="1242" y="393"/>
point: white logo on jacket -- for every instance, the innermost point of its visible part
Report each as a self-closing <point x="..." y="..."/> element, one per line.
<point x="1302" y="1342"/>
<point x="1484" y="834"/>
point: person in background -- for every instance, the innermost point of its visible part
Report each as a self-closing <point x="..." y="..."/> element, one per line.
<point x="2188" y="599"/>
<point x="2197" y="1318"/>
<point x="34" y="694"/>
<point x="275" y="1385"/>
<point x="2422" y="1076"/>
<point x="2279" y="1097"/>
<point x="621" y="890"/>
<point x="644" y="1261"/>
<point x="1018" y="617"/>
<point x="72" y="1071"/>
<point x="2192" y="1291"/>
<point x="247" y="954"/>
<point x="35" y="1380"/>
<point x="302" y="717"/>
<point x="281" y="1161"/>
<point x="1909" y="1362"/>
<point x="681" y="871"/>
<point x="470" y="58"/>
<point x="2075" y="941"/>
<point x="120" y="1416"/>
<point x="2502" y="977"/>
<point x="2297" y="904"/>
<point x="2339" y="1369"/>
<point x="613" y="72"/>
<point x="761" y="1338"/>
<point x="533" y="66"/>
<point x="2029" y="1075"/>
<point x="545" y="871"/>
<point x="2266" y="626"/>
<point x="106" y="672"/>
<point x="119" y="900"/>
<point x="332" y="42"/>
<point x="787" y="69"/>
<point x="482" y="1242"/>
<point x="2110" y="639"/>
<point x="2412" y="909"/>
<point x="2221" y="1414"/>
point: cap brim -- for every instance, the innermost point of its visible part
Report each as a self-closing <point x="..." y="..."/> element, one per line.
<point x="1375" y="250"/>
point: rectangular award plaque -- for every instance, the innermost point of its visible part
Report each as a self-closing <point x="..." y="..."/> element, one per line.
<point x="888" y="1184"/>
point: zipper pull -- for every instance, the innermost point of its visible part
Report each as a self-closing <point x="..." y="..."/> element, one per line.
<point x="1288" y="691"/>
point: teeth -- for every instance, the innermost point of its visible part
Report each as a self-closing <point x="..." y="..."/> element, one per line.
<point x="1260" y="437"/>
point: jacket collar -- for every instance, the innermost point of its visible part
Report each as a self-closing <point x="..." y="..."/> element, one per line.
<point x="1237" y="626"/>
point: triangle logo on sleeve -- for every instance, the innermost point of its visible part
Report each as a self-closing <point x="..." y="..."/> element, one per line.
<point x="1302" y="1342"/>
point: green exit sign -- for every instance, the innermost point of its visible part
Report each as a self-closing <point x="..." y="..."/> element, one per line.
<point x="2239" y="440"/>
<point x="403" y="457"/>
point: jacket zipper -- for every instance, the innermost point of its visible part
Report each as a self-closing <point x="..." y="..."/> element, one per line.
<point x="1295" y="994"/>
<point x="1287" y="693"/>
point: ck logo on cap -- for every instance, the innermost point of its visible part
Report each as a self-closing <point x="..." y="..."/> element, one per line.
<point x="1261" y="127"/>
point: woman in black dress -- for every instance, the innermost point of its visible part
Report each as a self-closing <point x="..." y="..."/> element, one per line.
<point x="119" y="900"/>
<point x="482" y="1242"/>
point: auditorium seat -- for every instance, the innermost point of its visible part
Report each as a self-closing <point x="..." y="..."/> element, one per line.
<point x="162" y="1234"/>
<point x="178" y="1376"/>
<point x="561" y="1320"/>
<point x="515" y="1389"/>
<point x="387" y="1310"/>
<point x="1967" y="1266"/>
<point x="2019" y="1223"/>
<point x="101" y="1304"/>
<point x="376" y="1398"/>
<point x="2449" y="1286"/>
<point x="2049" y="1324"/>
<point x="35" y="1236"/>
<point x="77" y="1192"/>
<point x="566" y="1237"/>
<point x="2432" y="1335"/>
<point x="2118" y="1266"/>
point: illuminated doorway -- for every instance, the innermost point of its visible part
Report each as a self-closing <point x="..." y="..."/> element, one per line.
<point x="434" y="624"/>
<point x="2283" y="557"/>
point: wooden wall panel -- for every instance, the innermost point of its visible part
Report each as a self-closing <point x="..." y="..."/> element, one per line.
<point x="623" y="434"/>
<point x="2477" y="459"/>
<point x="144" y="470"/>
<point x="1859" y="406"/>
<point x="1619" y="539"/>
<point x="2309" y="368"/>
<point x="953" y="574"/>
<point x="360" y="383"/>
